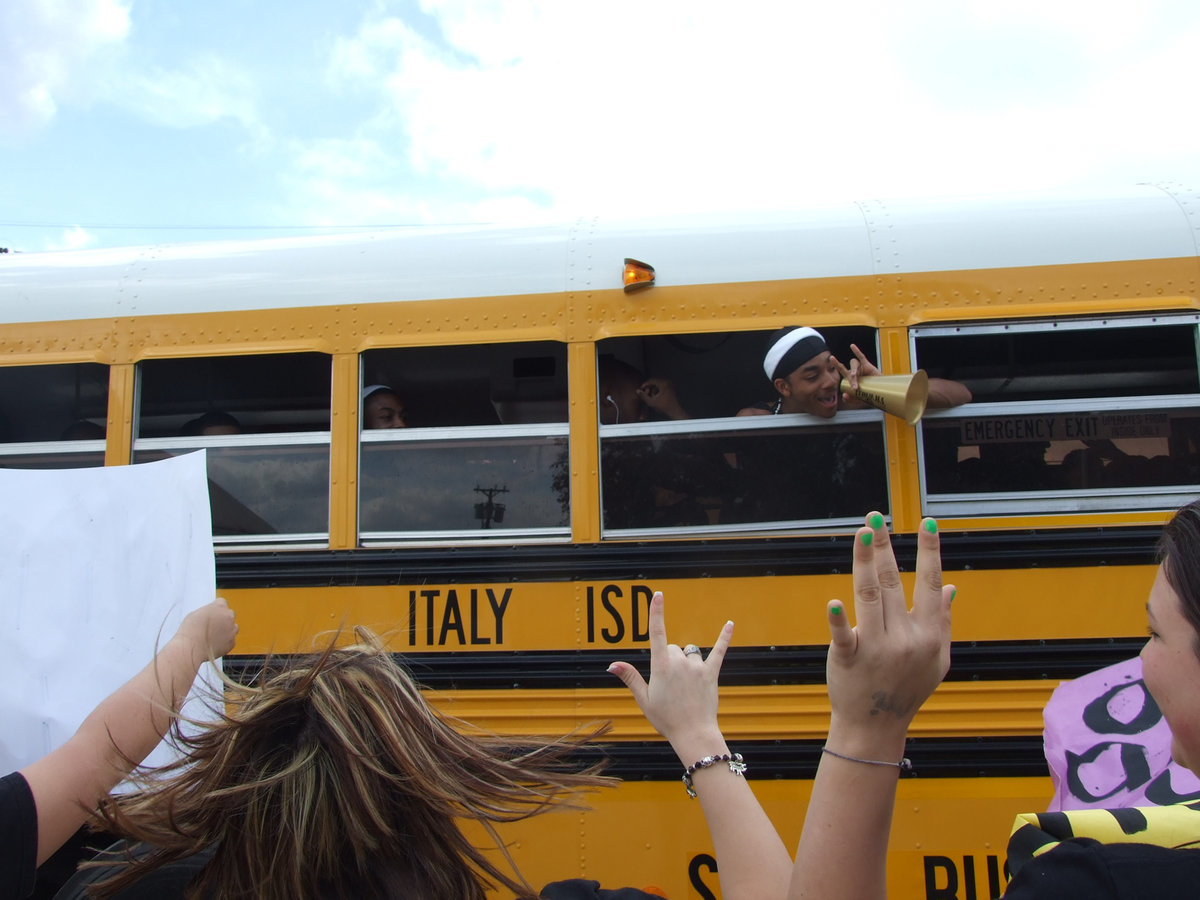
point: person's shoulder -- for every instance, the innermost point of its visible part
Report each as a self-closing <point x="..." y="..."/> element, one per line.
<point x="1083" y="867"/>
<point x="18" y="832"/>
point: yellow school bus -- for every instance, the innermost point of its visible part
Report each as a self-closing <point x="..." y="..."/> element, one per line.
<point x="509" y="539"/>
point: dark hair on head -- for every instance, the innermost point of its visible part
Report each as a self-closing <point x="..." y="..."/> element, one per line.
<point x="1179" y="553"/>
<point x="335" y="778"/>
<point x="212" y="419"/>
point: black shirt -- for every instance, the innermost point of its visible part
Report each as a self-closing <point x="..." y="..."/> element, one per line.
<point x="18" y="838"/>
<point x="1084" y="868"/>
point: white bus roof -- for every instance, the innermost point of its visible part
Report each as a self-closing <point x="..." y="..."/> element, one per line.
<point x="424" y="263"/>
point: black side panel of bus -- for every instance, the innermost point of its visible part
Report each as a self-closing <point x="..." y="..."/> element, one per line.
<point x="742" y="558"/>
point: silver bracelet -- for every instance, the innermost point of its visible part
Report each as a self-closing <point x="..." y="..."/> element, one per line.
<point x="905" y="765"/>
<point x="736" y="765"/>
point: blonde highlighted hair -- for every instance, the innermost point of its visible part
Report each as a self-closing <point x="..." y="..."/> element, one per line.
<point x="334" y="777"/>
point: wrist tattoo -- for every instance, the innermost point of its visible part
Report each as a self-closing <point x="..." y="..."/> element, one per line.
<point x="896" y="704"/>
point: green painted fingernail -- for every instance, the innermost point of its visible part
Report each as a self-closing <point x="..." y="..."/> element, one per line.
<point x="836" y="610"/>
<point x="867" y="537"/>
<point x="875" y="521"/>
<point x="931" y="526"/>
<point x="953" y="594"/>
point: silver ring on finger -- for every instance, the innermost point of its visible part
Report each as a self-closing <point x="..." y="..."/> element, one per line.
<point x="690" y="649"/>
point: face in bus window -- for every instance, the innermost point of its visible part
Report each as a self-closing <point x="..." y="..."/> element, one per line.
<point x="813" y="388"/>
<point x="384" y="409"/>
<point x="1171" y="669"/>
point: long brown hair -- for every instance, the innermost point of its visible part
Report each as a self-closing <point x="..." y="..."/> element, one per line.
<point x="335" y="778"/>
<point x="1179" y="553"/>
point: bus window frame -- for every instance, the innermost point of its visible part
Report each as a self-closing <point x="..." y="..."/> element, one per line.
<point x="764" y="423"/>
<point x="1052" y="501"/>
<point x="57" y="449"/>
<point x="448" y="434"/>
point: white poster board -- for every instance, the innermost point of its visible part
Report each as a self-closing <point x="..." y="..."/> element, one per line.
<point x="97" y="569"/>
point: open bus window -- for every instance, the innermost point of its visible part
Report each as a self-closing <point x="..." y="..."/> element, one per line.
<point x="487" y="384"/>
<point x="1069" y="415"/>
<point x="481" y="451"/>
<point x="692" y="464"/>
<point x="712" y="374"/>
<point x="264" y="421"/>
<point x="53" y="416"/>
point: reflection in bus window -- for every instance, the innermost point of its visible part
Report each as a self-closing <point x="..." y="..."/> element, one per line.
<point x="1091" y="448"/>
<point x="264" y="421"/>
<point x="484" y="453"/>
<point x="456" y="484"/>
<point x="1109" y="422"/>
<point x="53" y="416"/>
<point x="779" y="471"/>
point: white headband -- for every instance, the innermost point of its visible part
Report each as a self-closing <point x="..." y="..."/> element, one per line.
<point x="780" y="348"/>
<point x="372" y="388"/>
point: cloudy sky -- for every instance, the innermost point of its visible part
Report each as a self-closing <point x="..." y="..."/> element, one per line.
<point x="141" y="121"/>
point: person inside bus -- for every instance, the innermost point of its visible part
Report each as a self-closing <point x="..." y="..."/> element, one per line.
<point x="626" y="395"/>
<point x="212" y="422"/>
<point x="333" y="776"/>
<point x="815" y="473"/>
<point x="654" y="483"/>
<point x="47" y="801"/>
<point x="878" y="673"/>
<point x="807" y="378"/>
<point x="382" y="408"/>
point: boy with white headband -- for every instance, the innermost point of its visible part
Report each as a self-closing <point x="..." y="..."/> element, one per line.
<point x="808" y="377"/>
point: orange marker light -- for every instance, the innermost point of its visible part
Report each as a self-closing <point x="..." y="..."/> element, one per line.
<point x="638" y="275"/>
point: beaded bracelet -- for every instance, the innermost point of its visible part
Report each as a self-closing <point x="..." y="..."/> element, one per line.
<point x="736" y="765"/>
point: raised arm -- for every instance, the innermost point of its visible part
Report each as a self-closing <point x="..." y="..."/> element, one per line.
<point x="659" y="395"/>
<point x="680" y="701"/>
<point x="879" y="673"/>
<point x="943" y="393"/>
<point x="68" y="783"/>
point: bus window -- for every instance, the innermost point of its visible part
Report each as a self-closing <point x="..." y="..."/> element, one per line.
<point x="482" y="449"/>
<point x="1069" y="415"/>
<point x="53" y="416"/>
<point x="264" y="421"/>
<point x="689" y="462"/>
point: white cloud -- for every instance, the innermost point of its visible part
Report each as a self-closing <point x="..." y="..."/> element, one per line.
<point x="73" y="238"/>
<point x="526" y="109"/>
<point x="200" y="91"/>
<point x="47" y="48"/>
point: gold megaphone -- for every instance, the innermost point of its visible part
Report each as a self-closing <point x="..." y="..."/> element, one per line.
<point x="900" y="395"/>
